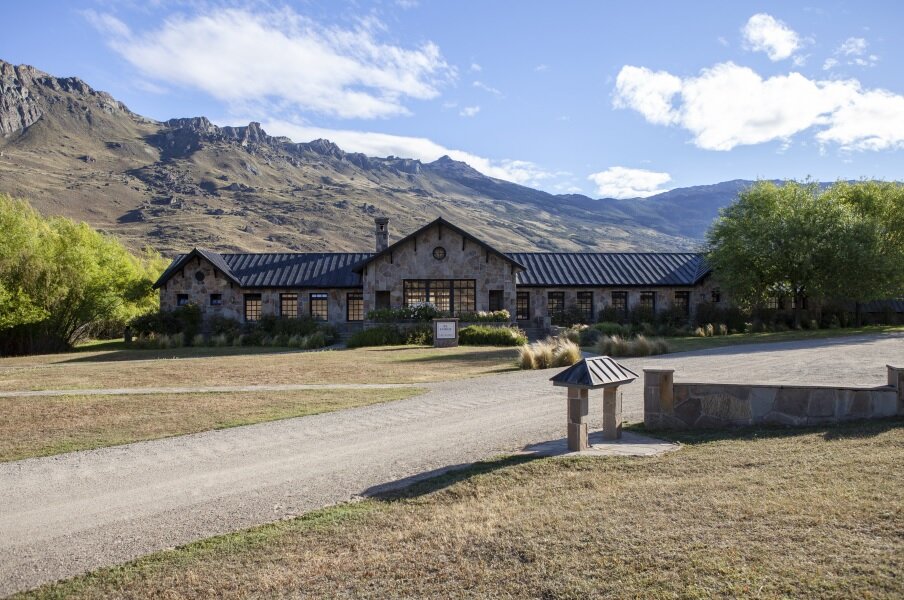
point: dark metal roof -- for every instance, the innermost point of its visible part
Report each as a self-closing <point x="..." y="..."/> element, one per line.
<point x="280" y="270"/>
<point x="576" y="269"/>
<point x="441" y="222"/>
<point x="595" y="372"/>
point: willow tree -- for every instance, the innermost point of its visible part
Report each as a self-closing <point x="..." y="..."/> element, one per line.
<point x="59" y="278"/>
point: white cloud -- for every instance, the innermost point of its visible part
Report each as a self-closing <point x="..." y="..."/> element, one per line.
<point x="540" y="68"/>
<point x="829" y="64"/>
<point x="482" y="86"/>
<point x="852" y="46"/>
<point x="424" y="149"/>
<point x="728" y="105"/>
<point x="765" y="33"/>
<point x="469" y="111"/>
<point x="476" y="68"/>
<point x="722" y="41"/>
<point x="283" y="59"/>
<point x="623" y="182"/>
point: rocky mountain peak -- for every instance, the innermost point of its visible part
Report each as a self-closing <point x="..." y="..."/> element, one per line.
<point x="450" y="167"/>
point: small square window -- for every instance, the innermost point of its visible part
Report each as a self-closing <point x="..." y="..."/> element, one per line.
<point x="252" y="307"/>
<point x="354" y="306"/>
<point x="216" y="299"/>
<point x="555" y="303"/>
<point x="288" y="306"/>
<point x="181" y="299"/>
<point x="648" y="301"/>
<point x="682" y="303"/>
<point x="620" y="302"/>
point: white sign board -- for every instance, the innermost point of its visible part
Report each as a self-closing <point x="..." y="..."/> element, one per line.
<point x="445" y="330"/>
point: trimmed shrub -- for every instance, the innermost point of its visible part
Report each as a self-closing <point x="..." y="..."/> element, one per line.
<point x="612" y="328"/>
<point x="496" y="316"/>
<point x="481" y="335"/>
<point x="569" y="317"/>
<point x="422" y="311"/>
<point x="382" y="335"/>
<point x="420" y="336"/>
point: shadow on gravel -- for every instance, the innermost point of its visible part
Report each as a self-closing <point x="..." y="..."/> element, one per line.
<point x="851" y="430"/>
<point x="438" y="479"/>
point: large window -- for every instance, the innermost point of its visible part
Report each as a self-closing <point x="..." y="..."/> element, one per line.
<point x="682" y="303"/>
<point x="555" y="303"/>
<point x="620" y="302"/>
<point x="448" y="295"/>
<point x="288" y="306"/>
<point x="252" y="307"/>
<point x="354" y="306"/>
<point x="319" y="307"/>
<point x="522" y="306"/>
<point x="648" y="301"/>
<point x="495" y="300"/>
<point x="585" y="305"/>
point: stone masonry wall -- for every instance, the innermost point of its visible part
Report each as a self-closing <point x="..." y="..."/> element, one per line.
<point x="670" y="405"/>
<point x="464" y="259"/>
<point x="233" y="301"/>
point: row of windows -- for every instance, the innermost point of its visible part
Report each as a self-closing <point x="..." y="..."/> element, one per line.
<point x="555" y="302"/>
<point x="318" y="306"/>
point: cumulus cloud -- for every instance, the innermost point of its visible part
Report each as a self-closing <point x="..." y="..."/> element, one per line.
<point x="623" y="182"/>
<point x="469" y="111"/>
<point x="728" y="105"/>
<point x="424" y="149"/>
<point x="765" y="33"/>
<point x="476" y="67"/>
<point x="283" y="58"/>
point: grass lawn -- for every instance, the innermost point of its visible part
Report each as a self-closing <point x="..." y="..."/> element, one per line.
<point x="684" y="344"/>
<point x="41" y="426"/>
<point x="811" y="513"/>
<point x="116" y="367"/>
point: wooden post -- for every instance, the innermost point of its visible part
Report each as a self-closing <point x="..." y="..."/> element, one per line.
<point x="578" y="409"/>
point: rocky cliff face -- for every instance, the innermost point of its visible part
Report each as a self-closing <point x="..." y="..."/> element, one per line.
<point x="76" y="151"/>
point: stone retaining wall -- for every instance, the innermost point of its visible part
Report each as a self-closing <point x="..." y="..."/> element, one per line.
<point x="670" y="405"/>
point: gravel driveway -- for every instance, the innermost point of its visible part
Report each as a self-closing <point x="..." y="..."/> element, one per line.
<point x="66" y="514"/>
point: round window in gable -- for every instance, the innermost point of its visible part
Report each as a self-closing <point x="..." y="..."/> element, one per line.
<point x="199" y="276"/>
<point x="439" y="253"/>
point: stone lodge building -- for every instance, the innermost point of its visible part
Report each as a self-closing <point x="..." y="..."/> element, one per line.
<point x="439" y="263"/>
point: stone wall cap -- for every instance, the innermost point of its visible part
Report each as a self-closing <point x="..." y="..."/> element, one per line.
<point x="595" y="372"/>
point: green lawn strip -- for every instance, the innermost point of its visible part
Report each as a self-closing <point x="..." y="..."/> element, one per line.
<point x="44" y="426"/>
<point x="765" y="513"/>
<point x="685" y="344"/>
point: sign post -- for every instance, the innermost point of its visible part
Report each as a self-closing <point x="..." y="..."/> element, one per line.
<point x="445" y="333"/>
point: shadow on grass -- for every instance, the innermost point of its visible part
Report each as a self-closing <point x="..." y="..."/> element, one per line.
<point x="466" y="357"/>
<point x="750" y="345"/>
<point x="438" y="479"/>
<point x="127" y="354"/>
<point x="849" y="430"/>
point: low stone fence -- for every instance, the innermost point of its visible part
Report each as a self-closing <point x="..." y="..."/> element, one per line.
<point x="670" y="405"/>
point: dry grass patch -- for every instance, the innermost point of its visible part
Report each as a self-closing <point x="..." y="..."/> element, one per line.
<point x="815" y="513"/>
<point x="42" y="426"/>
<point x="231" y="366"/>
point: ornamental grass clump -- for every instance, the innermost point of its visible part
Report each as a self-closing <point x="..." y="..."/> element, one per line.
<point x="639" y="346"/>
<point x="549" y="353"/>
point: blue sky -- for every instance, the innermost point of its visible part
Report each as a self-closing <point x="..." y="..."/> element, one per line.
<point x="601" y="98"/>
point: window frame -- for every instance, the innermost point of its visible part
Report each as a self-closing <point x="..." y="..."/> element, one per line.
<point x="249" y="302"/>
<point x="686" y="297"/>
<point x="358" y="297"/>
<point x="454" y="296"/>
<point x="560" y="300"/>
<point x="582" y="297"/>
<point x="644" y="297"/>
<point x="715" y="296"/>
<point x="495" y="300"/>
<point x="288" y="299"/>
<point x="315" y="299"/>
<point x="182" y="300"/>
<point x="522" y="300"/>
<point x="219" y="299"/>
<point x="620" y="297"/>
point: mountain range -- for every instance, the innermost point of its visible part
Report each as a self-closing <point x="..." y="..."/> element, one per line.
<point x="76" y="151"/>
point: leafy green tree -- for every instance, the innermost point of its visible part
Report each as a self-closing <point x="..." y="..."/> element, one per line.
<point x="59" y="278"/>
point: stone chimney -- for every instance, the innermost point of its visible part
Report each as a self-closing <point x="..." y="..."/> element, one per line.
<point x="382" y="232"/>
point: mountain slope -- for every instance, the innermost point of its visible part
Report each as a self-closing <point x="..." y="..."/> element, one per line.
<point x="78" y="152"/>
